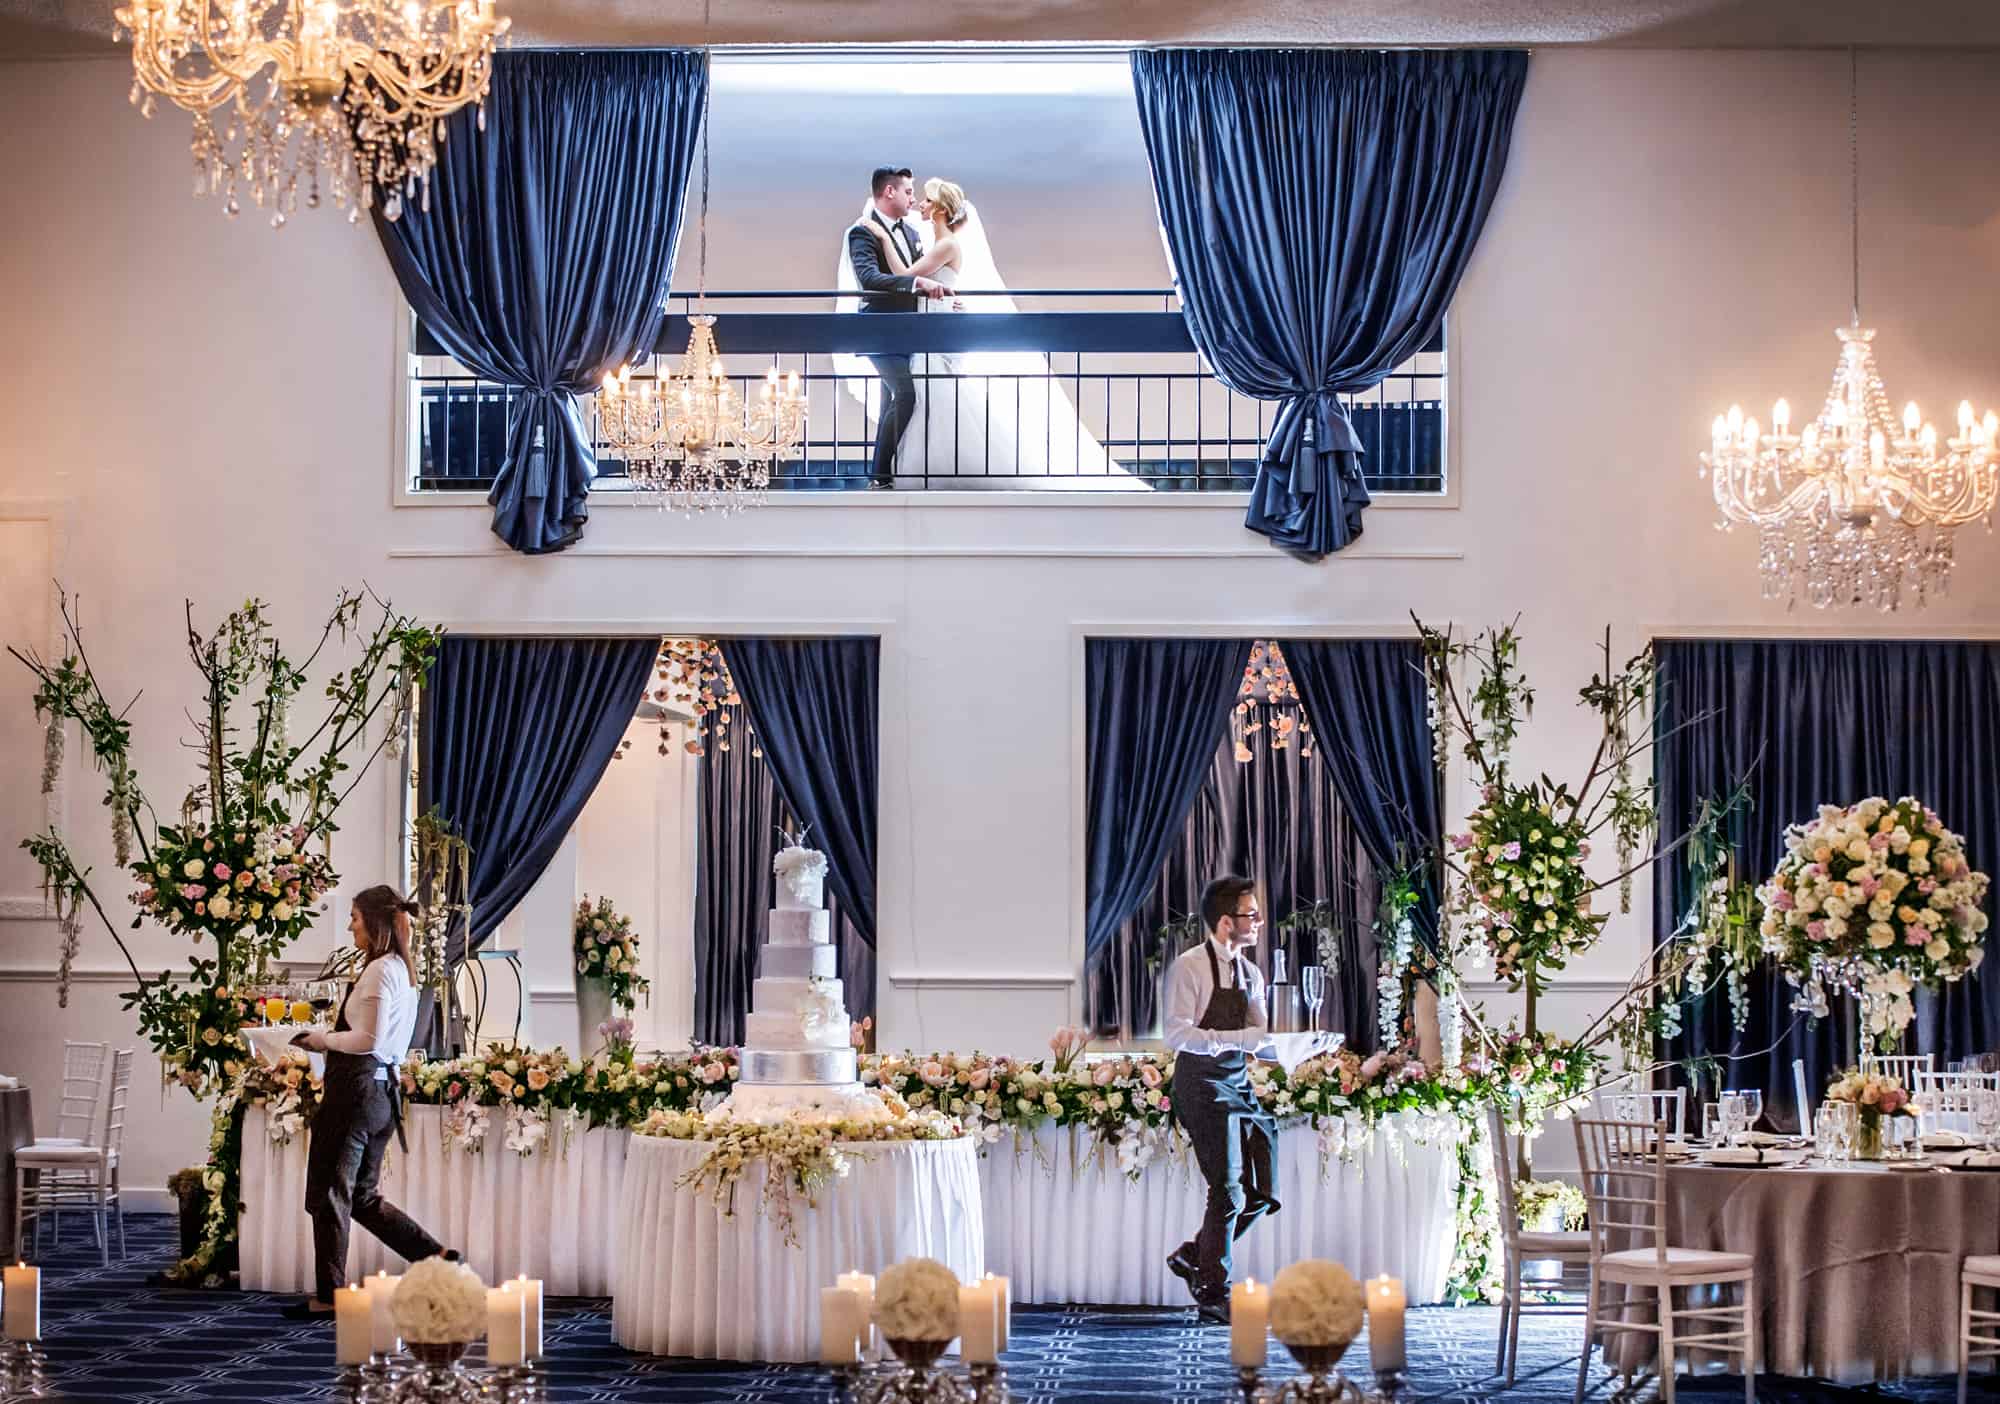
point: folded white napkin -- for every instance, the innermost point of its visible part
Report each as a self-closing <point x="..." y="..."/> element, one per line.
<point x="1945" y="1140"/>
<point x="1732" y="1155"/>
<point x="8" y="1084"/>
<point x="1980" y="1160"/>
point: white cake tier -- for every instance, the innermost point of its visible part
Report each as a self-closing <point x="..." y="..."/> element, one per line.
<point x="768" y="1102"/>
<point x="799" y="962"/>
<point x="781" y="1031"/>
<point x="799" y="926"/>
<point x="799" y="890"/>
<point x="774" y="994"/>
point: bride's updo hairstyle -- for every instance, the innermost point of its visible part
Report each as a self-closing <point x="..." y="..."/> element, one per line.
<point x="947" y="197"/>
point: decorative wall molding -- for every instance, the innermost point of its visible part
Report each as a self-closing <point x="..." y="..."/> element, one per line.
<point x="33" y="908"/>
<point x="1555" y="986"/>
<point x="971" y="551"/>
<point x="46" y="975"/>
<point x="964" y="980"/>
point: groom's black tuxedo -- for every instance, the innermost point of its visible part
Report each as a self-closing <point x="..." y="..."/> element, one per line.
<point x="883" y="291"/>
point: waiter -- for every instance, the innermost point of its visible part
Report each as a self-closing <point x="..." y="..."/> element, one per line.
<point x="1215" y="1025"/>
<point x="362" y="1100"/>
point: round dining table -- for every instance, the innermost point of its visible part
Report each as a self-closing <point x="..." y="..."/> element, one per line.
<point x="1857" y="1264"/>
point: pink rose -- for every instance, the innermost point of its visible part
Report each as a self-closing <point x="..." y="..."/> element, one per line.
<point x="1816" y="930"/>
<point x="711" y="1073"/>
<point x="1149" y="1075"/>
<point x="1917" y="936"/>
<point x="979" y="1080"/>
<point x="1558" y="1066"/>
<point x="1166" y="1104"/>
<point x="222" y="872"/>
<point x="1370" y="1066"/>
<point x="1782" y="901"/>
<point x="1104" y="1074"/>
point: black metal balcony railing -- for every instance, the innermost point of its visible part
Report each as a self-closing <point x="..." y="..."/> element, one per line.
<point x="1015" y="400"/>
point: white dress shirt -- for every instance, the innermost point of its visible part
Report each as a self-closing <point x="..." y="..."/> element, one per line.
<point x="381" y="1013"/>
<point x="1189" y="986"/>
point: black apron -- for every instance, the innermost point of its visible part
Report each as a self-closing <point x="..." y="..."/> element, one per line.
<point x="1215" y="1087"/>
<point x="348" y="1076"/>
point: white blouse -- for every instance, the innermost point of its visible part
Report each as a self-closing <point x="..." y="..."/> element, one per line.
<point x="1189" y="985"/>
<point x="381" y="1013"/>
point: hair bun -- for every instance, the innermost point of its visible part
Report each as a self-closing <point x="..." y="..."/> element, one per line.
<point x="409" y="908"/>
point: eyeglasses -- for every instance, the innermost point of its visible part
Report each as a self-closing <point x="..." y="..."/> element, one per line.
<point x="1252" y="915"/>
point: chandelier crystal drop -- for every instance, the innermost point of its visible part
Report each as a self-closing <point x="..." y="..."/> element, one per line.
<point x="688" y="439"/>
<point x="298" y="99"/>
<point x="1855" y="507"/>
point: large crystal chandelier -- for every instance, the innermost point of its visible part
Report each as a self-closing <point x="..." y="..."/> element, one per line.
<point x="1856" y="506"/>
<point x="687" y="437"/>
<point x="342" y="97"/>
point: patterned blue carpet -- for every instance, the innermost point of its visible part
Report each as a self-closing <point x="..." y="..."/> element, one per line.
<point x="110" y="1337"/>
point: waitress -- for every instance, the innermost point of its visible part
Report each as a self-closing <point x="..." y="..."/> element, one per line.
<point x="362" y="1100"/>
<point x="1215" y="1024"/>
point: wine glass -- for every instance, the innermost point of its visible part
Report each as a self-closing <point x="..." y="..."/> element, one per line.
<point x="1312" y="985"/>
<point x="1843" y="1117"/>
<point x="1711" y="1122"/>
<point x="1735" y="1116"/>
<point x="1986" y="1115"/>
<point x="1753" y="1099"/>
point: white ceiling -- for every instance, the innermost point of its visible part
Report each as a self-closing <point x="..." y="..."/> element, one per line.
<point x="46" y="28"/>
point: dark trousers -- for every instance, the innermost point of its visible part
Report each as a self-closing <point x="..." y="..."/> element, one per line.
<point x="350" y="1134"/>
<point x="1235" y="1156"/>
<point x="899" y="406"/>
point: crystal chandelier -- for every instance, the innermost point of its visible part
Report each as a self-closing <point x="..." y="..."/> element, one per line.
<point x="687" y="438"/>
<point x="352" y="93"/>
<point x="1854" y="507"/>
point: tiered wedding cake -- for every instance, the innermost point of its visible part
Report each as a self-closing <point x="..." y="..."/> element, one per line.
<point x="796" y="1057"/>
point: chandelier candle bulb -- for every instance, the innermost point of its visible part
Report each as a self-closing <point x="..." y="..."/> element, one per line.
<point x="978" y="1324"/>
<point x="353" y="1326"/>
<point x="1386" y="1304"/>
<point x="530" y="1289"/>
<point x="506" y="1326"/>
<point x="21" y="1302"/>
<point x="1249" y="1323"/>
<point x="1003" y="1289"/>
<point x="381" y="1298"/>
<point x="842" y="1322"/>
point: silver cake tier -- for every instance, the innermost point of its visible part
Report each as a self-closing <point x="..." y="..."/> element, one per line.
<point x="796" y="1067"/>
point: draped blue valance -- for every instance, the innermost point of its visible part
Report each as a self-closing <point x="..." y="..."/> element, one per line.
<point x="542" y="256"/>
<point x="1320" y="207"/>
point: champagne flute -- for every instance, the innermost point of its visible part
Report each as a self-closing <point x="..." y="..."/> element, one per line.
<point x="1986" y="1115"/>
<point x="1753" y="1101"/>
<point x="1735" y="1116"/>
<point x="1312" y="985"/>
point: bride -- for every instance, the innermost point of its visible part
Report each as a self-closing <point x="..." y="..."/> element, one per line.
<point x="987" y="419"/>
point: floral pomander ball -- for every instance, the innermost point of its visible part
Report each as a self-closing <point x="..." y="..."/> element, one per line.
<point x="1316" y="1303"/>
<point x="440" y="1303"/>
<point x="606" y="949"/>
<point x="917" y="1300"/>
<point x="1525" y="889"/>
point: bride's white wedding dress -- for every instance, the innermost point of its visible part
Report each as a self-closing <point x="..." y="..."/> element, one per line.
<point x="995" y="420"/>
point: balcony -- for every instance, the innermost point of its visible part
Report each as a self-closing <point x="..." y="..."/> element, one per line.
<point x="1077" y="390"/>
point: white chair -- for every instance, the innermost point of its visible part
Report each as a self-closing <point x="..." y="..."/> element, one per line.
<point x="83" y="1177"/>
<point x="1570" y="1248"/>
<point x="82" y="1085"/>
<point x="1647" y="1105"/>
<point x="1906" y="1068"/>
<point x="1978" y="1330"/>
<point x="1947" y="1101"/>
<point x="1625" y="1180"/>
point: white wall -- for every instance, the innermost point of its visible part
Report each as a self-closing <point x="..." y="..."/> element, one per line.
<point x="209" y="408"/>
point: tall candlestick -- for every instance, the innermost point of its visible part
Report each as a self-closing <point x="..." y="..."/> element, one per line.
<point x="381" y="1302"/>
<point x="1385" y="1324"/>
<point x="1004" y="1292"/>
<point x="530" y="1289"/>
<point x="506" y="1326"/>
<point x="978" y="1324"/>
<point x="1249" y="1322"/>
<point x="21" y="1302"/>
<point x="353" y="1326"/>
<point x="840" y="1325"/>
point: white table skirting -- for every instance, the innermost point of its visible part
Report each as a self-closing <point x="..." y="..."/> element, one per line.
<point x="553" y="1214"/>
<point x="692" y="1282"/>
<point x="1064" y="1224"/>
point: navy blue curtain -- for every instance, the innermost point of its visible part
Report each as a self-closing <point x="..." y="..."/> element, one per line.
<point x="1320" y="206"/>
<point x="816" y="704"/>
<point x="1154" y="712"/>
<point x="1811" y="723"/>
<point x="1370" y="714"/>
<point x="516" y="734"/>
<point x="544" y="253"/>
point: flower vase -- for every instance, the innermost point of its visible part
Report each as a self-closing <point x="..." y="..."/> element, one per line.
<point x="593" y="1007"/>
<point x="919" y="1381"/>
<point x="1868" y="1138"/>
<point x="440" y="1376"/>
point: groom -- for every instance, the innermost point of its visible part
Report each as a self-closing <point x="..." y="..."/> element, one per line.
<point x="881" y="247"/>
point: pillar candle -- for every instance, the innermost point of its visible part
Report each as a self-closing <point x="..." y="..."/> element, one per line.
<point x="1385" y="1324"/>
<point x="530" y="1289"/>
<point x="841" y="1325"/>
<point x="978" y="1324"/>
<point x="1004" y="1292"/>
<point x="381" y="1303"/>
<point x="863" y="1286"/>
<point x="21" y="1302"/>
<point x="506" y="1326"/>
<point x="1249" y="1320"/>
<point x="353" y="1326"/>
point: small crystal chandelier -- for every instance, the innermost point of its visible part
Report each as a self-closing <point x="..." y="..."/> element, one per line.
<point x="687" y="439"/>
<point x="352" y="92"/>
<point x="1855" y="506"/>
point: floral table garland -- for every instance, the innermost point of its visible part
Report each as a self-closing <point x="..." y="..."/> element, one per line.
<point x="539" y="1097"/>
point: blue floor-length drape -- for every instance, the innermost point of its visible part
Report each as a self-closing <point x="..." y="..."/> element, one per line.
<point x="1824" y="722"/>
<point x="1320" y="207"/>
<point x="816" y="704"/>
<point x="1370" y="713"/>
<point x="542" y="256"/>
<point x="516" y="734"/>
<point x="1154" y="712"/>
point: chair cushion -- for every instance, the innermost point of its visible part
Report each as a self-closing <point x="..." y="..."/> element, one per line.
<point x="1984" y="1269"/>
<point x="1535" y="1245"/>
<point x="1693" y="1263"/>
<point x="57" y="1157"/>
<point x="45" y="1142"/>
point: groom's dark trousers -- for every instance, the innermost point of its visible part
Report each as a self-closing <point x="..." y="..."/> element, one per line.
<point x="884" y="291"/>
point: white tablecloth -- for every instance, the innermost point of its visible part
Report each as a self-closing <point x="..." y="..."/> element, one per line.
<point x="1065" y="1225"/>
<point x="691" y="1282"/>
<point x="553" y="1214"/>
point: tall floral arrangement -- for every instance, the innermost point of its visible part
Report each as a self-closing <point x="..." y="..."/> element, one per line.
<point x="608" y="951"/>
<point x="243" y="867"/>
<point x="1877" y="900"/>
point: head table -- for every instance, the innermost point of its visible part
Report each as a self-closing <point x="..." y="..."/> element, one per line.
<point x="1857" y="1265"/>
